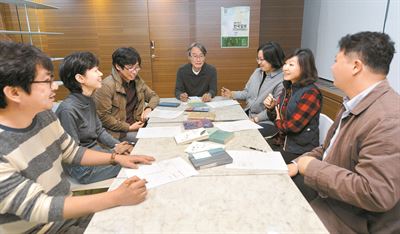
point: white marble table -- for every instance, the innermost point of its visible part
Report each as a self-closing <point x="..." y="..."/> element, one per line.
<point x="215" y="204"/>
<point x="228" y="113"/>
<point x="218" y="200"/>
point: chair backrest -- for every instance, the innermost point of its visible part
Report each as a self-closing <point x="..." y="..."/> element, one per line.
<point x="324" y="124"/>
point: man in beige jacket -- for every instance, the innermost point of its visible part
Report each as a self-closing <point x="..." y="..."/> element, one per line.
<point x="121" y="101"/>
<point x="355" y="171"/>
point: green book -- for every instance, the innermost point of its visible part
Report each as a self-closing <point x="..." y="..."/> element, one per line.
<point x="221" y="137"/>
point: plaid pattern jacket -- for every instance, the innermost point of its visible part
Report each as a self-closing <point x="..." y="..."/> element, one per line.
<point x="299" y="109"/>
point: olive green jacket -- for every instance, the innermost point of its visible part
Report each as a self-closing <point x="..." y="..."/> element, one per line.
<point x="110" y="102"/>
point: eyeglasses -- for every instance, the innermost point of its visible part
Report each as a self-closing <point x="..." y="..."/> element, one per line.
<point x="50" y="82"/>
<point x="132" y="68"/>
<point x="195" y="57"/>
<point x="260" y="60"/>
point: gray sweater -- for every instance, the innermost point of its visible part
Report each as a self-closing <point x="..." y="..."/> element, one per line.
<point x="255" y="96"/>
<point x="77" y="114"/>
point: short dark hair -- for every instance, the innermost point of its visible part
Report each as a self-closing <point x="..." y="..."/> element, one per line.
<point x="198" y="45"/>
<point x="273" y="54"/>
<point x="18" y="66"/>
<point x="309" y="73"/>
<point x="76" y="63"/>
<point x="375" y="49"/>
<point x="126" y="56"/>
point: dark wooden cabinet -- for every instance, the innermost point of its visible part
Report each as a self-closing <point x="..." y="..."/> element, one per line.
<point x="333" y="98"/>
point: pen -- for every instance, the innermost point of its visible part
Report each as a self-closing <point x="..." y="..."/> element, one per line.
<point x="253" y="148"/>
<point x="202" y="132"/>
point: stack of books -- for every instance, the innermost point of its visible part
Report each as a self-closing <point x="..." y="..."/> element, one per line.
<point x="210" y="158"/>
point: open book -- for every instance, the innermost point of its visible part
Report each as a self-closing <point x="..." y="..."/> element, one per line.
<point x="189" y="136"/>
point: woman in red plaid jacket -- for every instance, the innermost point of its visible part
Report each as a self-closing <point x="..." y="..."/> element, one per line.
<point x="296" y="112"/>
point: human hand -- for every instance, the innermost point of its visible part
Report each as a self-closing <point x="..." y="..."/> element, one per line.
<point x="184" y="97"/>
<point x="269" y="101"/>
<point x="226" y="93"/>
<point x="123" y="148"/>
<point x="131" y="192"/>
<point x="145" y="114"/>
<point x="255" y="119"/>
<point x="303" y="162"/>
<point x="135" y="126"/>
<point x="206" y="97"/>
<point x="292" y="169"/>
<point x="278" y="114"/>
<point x="131" y="161"/>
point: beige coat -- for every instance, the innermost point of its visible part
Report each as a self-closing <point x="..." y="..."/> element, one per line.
<point x="359" y="180"/>
<point x="110" y="102"/>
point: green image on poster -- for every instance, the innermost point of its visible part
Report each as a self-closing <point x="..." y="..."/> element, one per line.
<point x="235" y="42"/>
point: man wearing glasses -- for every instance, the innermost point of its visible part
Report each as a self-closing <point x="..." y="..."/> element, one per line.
<point x="121" y="101"/>
<point x="196" y="78"/>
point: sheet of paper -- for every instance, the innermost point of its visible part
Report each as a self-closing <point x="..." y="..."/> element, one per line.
<point x="162" y="172"/>
<point x="194" y="99"/>
<point x="197" y="146"/>
<point x="223" y="103"/>
<point x="165" y="114"/>
<point x="157" y="132"/>
<point x="188" y="136"/>
<point x="255" y="160"/>
<point x="235" y="126"/>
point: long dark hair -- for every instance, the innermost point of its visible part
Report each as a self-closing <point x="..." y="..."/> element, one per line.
<point x="309" y="73"/>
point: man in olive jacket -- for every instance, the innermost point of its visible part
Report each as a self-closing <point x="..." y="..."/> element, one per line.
<point x="355" y="172"/>
<point x="121" y="101"/>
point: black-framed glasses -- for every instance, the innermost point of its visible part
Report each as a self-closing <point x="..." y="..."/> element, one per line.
<point x="50" y="82"/>
<point x="133" y="68"/>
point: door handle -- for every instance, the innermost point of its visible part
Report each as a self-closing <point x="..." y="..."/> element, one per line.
<point x="152" y="45"/>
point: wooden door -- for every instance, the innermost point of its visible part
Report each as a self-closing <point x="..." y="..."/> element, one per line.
<point x="169" y="32"/>
<point x="175" y="24"/>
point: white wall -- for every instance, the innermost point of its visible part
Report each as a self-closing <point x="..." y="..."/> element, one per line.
<point x="326" y="21"/>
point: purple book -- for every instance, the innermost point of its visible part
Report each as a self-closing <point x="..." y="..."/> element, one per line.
<point x="197" y="123"/>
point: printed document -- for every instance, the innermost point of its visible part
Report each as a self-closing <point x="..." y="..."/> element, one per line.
<point x="165" y="114"/>
<point x="197" y="146"/>
<point x="162" y="172"/>
<point x="223" y="103"/>
<point x="157" y="132"/>
<point x="235" y="126"/>
<point x="244" y="159"/>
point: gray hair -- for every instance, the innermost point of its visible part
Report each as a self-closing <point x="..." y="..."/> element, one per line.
<point x="199" y="46"/>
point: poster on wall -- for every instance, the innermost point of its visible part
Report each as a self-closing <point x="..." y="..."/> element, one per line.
<point x="235" y="27"/>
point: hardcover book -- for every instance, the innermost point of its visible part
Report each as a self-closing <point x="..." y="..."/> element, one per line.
<point x="201" y="115"/>
<point x="197" y="123"/>
<point x="169" y="104"/>
<point x="198" y="109"/>
<point x="221" y="137"/>
<point x="210" y="158"/>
